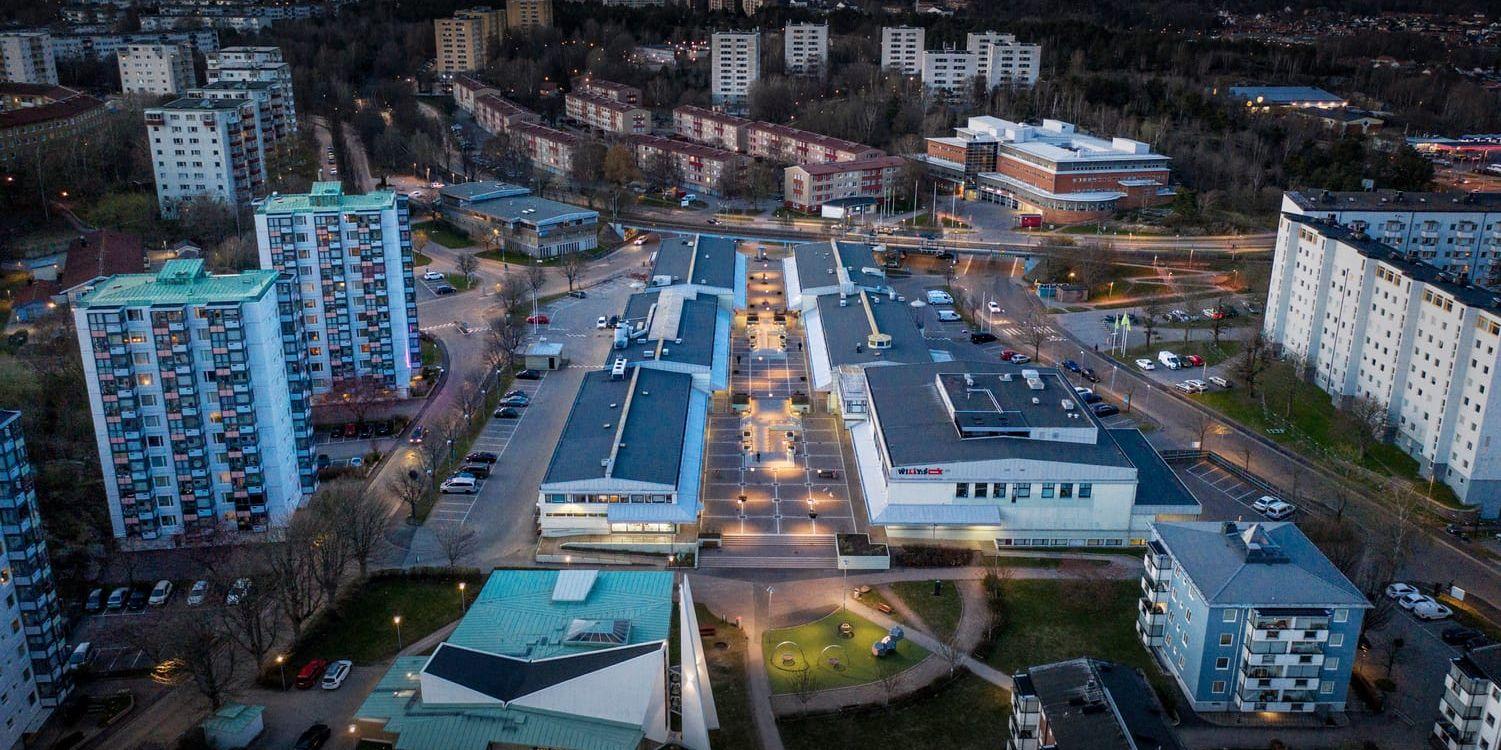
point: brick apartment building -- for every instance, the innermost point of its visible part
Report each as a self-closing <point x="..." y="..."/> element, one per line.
<point x="714" y="128"/>
<point x="806" y="187"/>
<point x="550" y="150"/>
<point x="606" y="114"/>
<point x="780" y="143"/>
<point x="608" y="89"/>
<point x="700" y="168"/>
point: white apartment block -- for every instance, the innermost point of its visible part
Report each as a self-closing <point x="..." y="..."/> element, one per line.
<point x="736" y="62"/>
<point x="948" y="72"/>
<point x="27" y="57"/>
<point x="1000" y="60"/>
<point x="156" y="69"/>
<point x="347" y="265"/>
<point x="902" y="49"/>
<point x="1369" y="321"/>
<point x="203" y="423"/>
<point x="462" y="44"/>
<point x="1458" y="232"/>
<point x="206" y="147"/>
<point x="1470" y="711"/>
<point x="805" y="48"/>
<point x="258" y="64"/>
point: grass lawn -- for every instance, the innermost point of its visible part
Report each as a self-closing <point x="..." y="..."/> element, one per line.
<point x="737" y="729"/>
<point x="1049" y="620"/>
<point x="941" y="613"/>
<point x="419" y="260"/>
<point x="857" y="665"/>
<point x="460" y="281"/>
<point x="444" y="234"/>
<point x="966" y="713"/>
<point x="360" y="628"/>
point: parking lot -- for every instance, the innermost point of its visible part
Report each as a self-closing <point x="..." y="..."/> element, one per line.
<point x="495" y="438"/>
<point x="429" y="288"/>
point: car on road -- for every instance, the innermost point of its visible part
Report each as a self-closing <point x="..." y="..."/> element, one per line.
<point x="981" y="337"/>
<point x="601" y="322"/>
<point x="515" y="399"/>
<point x="538" y="319"/>
<point x="459" y="485"/>
<point x="1070" y="365"/>
<point x="1408" y="601"/>
<point x="95" y="601"/>
<point x="314" y="737"/>
<point x="712" y="222"/>
<point x="1456" y="531"/>
<point x="1193" y="360"/>
<point x="117" y="599"/>
<point x="1219" y="381"/>
<point x="506" y="412"/>
<point x="1020" y="359"/>
<point x="138" y="597"/>
<point x="1399" y="590"/>
<point x="485" y="457"/>
<point x="578" y="294"/>
<point x="432" y="276"/>
<point x="444" y="290"/>
<point x="310" y="673"/>
<point x="994" y="307"/>
<point x="160" y="593"/>
<point x="237" y="591"/>
<point x="1458" y="635"/>
<point x="528" y="375"/>
<point x="418" y="433"/>
<point x="948" y="316"/>
<point x="463" y="327"/>
<point x="1088" y="374"/>
<point x="1103" y="409"/>
<point x="1145" y="364"/>
<point x="198" y="593"/>
<point x="1431" y="610"/>
<point x="337" y="673"/>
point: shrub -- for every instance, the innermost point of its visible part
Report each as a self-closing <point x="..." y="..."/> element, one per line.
<point x="930" y="556"/>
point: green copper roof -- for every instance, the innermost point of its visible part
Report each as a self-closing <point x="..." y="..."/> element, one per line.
<point x="326" y="196"/>
<point x="516" y="615"/>
<point x="420" y="726"/>
<point x="179" y="282"/>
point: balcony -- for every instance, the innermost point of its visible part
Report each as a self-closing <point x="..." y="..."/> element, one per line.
<point x="1453" y="737"/>
<point x="1154" y="591"/>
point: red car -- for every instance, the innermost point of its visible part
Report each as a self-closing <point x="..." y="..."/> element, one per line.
<point x="1007" y="354"/>
<point x="310" y="674"/>
<point x="538" y="319"/>
<point x="1194" y="360"/>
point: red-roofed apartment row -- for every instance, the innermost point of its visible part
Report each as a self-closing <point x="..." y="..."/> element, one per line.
<point x="33" y="115"/>
<point x="806" y="187"/>
<point x="699" y="167"/>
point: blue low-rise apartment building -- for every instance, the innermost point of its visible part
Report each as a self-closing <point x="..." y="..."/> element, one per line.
<point x="1249" y="617"/>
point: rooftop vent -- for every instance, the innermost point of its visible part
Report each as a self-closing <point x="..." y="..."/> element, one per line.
<point x="1067" y="404"/>
<point x="969" y="380"/>
<point x="1036" y="401"/>
<point x="1005" y="377"/>
<point x="1035" y="384"/>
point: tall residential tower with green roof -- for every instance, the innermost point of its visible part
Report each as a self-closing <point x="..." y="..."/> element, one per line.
<point x="203" y="424"/>
<point x="347" y="265"/>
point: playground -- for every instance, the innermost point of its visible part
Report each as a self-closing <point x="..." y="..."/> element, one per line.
<point x="835" y="651"/>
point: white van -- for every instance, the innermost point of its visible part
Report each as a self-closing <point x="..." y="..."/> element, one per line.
<point x="459" y="485"/>
<point x="948" y="315"/>
<point x="1169" y="360"/>
<point x="939" y="297"/>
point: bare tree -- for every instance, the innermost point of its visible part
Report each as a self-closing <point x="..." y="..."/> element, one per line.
<point x="1203" y="424"/>
<point x="327" y="546"/>
<point x="1218" y="321"/>
<point x="511" y="292"/>
<point x="1034" y="332"/>
<point x="358" y="396"/>
<point x="292" y="582"/>
<point x="467" y="265"/>
<point x="457" y="541"/>
<point x="252" y="624"/>
<point x="1253" y="361"/>
<point x="412" y="487"/>
<point x="951" y="651"/>
<point x="572" y="266"/>
<point x="359" y="515"/>
<point x="803" y="686"/>
<point x="1364" y="420"/>
<point x="1151" y="315"/>
<point x="536" y="278"/>
<point x="502" y="347"/>
<point x="193" y="648"/>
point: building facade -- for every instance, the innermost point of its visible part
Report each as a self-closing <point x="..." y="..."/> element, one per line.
<point x="101" y="46"/>
<point x="519" y="221"/>
<point x="265" y="96"/>
<point x="806" y="187"/>
<point x="949" y="72"/>
<point x="786" y="145"/>
<point x="263" y="64"/>
<point x="203" y="421"/>
<point x="805" y="48"/>
<point x="528" y="14"/>
<point x="346" y="262"/>
<point x="735" y="62"/>
<point x="206" y="148"/>
<point x="698" y="168"/>
<point x="27" y="58"/>
<point x="1249" y="617"/>
<point x="1369" y="322"/>
<point x="461" y="43"/>
<point x="606" y="114"/>
<point x="33" y="670"/>
<point x="36" y="116"/>
<point x="902" y="49"/>
<point x="608" y="89"/>
<point x="1470" y="711"/>
<point x="1456" y="232"/>
<point x="156" y="69"/>
<point x="709" y="127"/>
<point x="1000" y="60"/>
<point x="550" y="150"/>
<point x="499" y="115"/>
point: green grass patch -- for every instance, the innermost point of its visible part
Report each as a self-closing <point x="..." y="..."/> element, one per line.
<point x="360" y="626"/>
<point x="461" y="282"/>
<point x="419" y="260"/>
<point x="737" y="730"/>
<point x="965" y="713"/>
<point x="1052" y="620"/>
<point x="444" y="234"/>
<point x="430" y="355"/>
<point x="941" y="612"/>
<point x="814" y="643"/>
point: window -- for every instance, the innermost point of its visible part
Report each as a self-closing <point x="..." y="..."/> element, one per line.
<point x="1218" y="686"/>
<point x="1066" y="489"/>
<point x="1229" y="615"/>
<point x="1331" y="663"/>
<point x="1336" y="640"/>
<point x="981" y="488"/>
<point x="1343" y="615"/>
<point x="961" y="489"/>
<point x="1222" y="663"/>
<point x="1047" y="489"/>
<point x="1021" y="490"/>
<point x="1226" y="639"/>
<point x="1326" y="687"/>
<point x="1086" y="490"/>
<point x="998" y="489"/>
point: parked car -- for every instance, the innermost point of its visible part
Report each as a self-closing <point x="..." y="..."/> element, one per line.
<point x="478" y="470"/>
<point x="601" y="322"/>
<point x="323" y="461"/>
<point x="161" y="593"/>
<point x="432" y="276"/>
<point x="1169" y="360"/>
<point x="336" y="674"/>
<point x="1196" y="386"/>
<point x="948" y="316"/>
<point x="82" y="654"/>
<point x="1020" y="359"/>
<point x="1399" y="590"/>
<point x="939" y="297"/>
<point x="515" y="399"/>
<point x="237" y="591"/>
<point x="385" y="427"/>
<point x="1456" y="531"/>
<point x="349" y="430"/>
<point x="1431" y="610"/>
<point x="481" y="457"/>
<point x="981" y="337"/>
<point x="95" y="601"/>
<point x="1219" y="381"/>
<point x="828" y="474"/>
<point x="1103" y="409"/>
<point x="117" y="599"/>
<point x="506" y="412"/>
<point x="1408" y="601"/>
<point x="198" y="593"/>
<point x="310" y="673"/>
<point x="459" y="484"/>
<point x="1088" y="374"/>
<point x="1280" y="510"/>
<point x="1007" y="354"/>
<point x="1458" y="634"/>
<point x="528" y="375"/>
<point x="1194" y="360"/>
<point x="418" y="433"/>
<point x="578" y="294"/>
<point x="1086" y="395"/>
<point x="1071" y="366"/>
<point x="538" y="319"/>
<point x="367" y="430"/>
<point x="138" y="597"/>
<point x="314" y="737"/>
<point x="444" y="290"/>
<point x="1145" y="364"/>
<point x="994" y="307"/>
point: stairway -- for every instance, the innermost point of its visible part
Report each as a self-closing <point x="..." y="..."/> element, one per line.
<point x="772" y="551"/>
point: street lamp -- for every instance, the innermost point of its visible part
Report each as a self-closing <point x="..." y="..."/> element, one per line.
<point x="397" y="620"/>
<point x="462" y="605"/>
<point x="281" y="666"/>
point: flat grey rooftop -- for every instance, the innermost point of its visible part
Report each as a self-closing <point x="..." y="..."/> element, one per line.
<point x="1262" y="564"/>
<point x="817" y="264"/>
<point x="1394" y="200"/>
<point x="531" y="209"/>
<point x="655" y="416"/>
<point x="638" y="307"/>
<point x="482" y="189"/>
<point x="1099" y="705"/>
<point x="712" y="265"/>
<point x="1156" y="482"/>
<point x="847" y="330"/>
<point x="917" y="429"/>
<point x="690" y="341"/>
